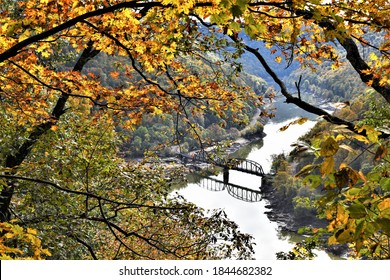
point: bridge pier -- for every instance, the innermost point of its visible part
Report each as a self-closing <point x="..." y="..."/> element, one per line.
<point x="226" y="175"/>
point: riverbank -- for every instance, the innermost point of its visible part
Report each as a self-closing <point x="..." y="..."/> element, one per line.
<point x="281" y="214"/>
<point x="272" y="227"/>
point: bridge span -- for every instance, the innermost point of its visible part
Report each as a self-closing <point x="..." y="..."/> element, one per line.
<point x="239" y="192"/>
<point x="239" y="164"/>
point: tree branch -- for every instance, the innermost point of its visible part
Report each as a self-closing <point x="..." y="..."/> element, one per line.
<point x="143" y="6"/>
<point x="363" y="69"/>
<point x="15" y="159"/>
<point x="110" y="227"/>
<point x="14" y="50"/>
<point x="89" y="194"/>
<point x="298" y="86"/>
<point x="89" y="247"/>
<point x="353" y="54"/>
<point x="300" y="103"/>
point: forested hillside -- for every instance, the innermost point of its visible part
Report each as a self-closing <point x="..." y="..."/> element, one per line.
<point x="298" y="176"/>
<point x="161" y="133"/>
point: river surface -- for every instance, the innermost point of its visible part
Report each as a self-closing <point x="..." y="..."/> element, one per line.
<point x="250" y="216"/>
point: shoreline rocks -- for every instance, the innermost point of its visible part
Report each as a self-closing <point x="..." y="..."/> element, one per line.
<point x="288" y="223"/>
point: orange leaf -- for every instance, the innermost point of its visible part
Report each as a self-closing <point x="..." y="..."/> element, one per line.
<point x="114" y="74"/>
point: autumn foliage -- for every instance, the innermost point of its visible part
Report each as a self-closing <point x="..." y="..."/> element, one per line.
<point x="60" y="172"/>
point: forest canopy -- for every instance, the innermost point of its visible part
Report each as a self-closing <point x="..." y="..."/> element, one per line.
<point x="67" y="193"/>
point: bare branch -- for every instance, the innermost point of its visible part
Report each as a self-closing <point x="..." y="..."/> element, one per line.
<point x="272" y="16"/>
<point x="89" y="247"/>
<point x="298" y="86"/>
<point x="89" y="194"/>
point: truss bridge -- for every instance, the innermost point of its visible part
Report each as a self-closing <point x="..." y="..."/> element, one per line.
<point x="239" y="192"/>
<point x="239" y="164"/>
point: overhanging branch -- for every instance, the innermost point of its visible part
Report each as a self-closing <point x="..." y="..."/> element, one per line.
<point x="298" y="101"/>
<point x="144" y="7"/>
<point x="89" y="194"/>
<point x="14" y="50"/>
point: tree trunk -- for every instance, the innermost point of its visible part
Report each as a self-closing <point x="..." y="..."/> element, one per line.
<point x="353" y="56"/>
<point x="14" y="160"/>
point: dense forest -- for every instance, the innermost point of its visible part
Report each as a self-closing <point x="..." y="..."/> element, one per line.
<point x="87" y="86"/>
<point x="166" y="134"/>
<point x="300" y="195"/>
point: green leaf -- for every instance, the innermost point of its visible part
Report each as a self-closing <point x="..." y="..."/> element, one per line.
<point x="371" y="228"/>
<point x="385" y="184"/>
<point x="236" y="11"/>
<point x="235" y="26"/>
<point x="353" y="192"/>
<point x="384" y="225"/>
<point x="343" y="236"/>
<point x="314" y="180"/>
<point x="357" y="211"/>
<point x="360" y="225"/>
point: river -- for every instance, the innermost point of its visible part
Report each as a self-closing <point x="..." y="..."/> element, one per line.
<point x="250" y="216"/>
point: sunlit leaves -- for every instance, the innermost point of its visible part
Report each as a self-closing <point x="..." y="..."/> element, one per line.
<point x="355" y="203"/>
<point x="327" y="166"/>
<point x="169" y="66"/>
<point x="20" y="243"/>
<point x="372" y="133"/>
<point x="329" y="147"/>
<point x="299" y="121"/>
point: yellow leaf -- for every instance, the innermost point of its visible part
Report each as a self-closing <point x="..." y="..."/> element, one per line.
<point x="25" y="35"/>
<point x="361" y="175"/>
<point x="373" y="57"/>
<point x="46" y="252"/>
<point x="361" y="138"/>
<point x="9" y="235"/>
<point x="348" y="148"/>
<point x="306" y="170"/>
<point x="332" y="240"/>
<point x="343" y="165"/>
<point x="301" y="120"/>
<point x="32" y="231"/>
<point x="372" y="133"/>
<point x="284" y="128"/>
<point x="45" y="54"/>
<point x="327" y="166"/>
<point x="344" y="236"/>
<point x="340" y="137"/>
<point x="156" y="111"/>
<point x="342" y="216"/>
<point x="329" y="147"/>
<point x="385" y="204"/>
